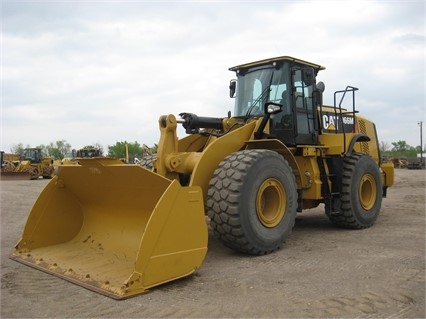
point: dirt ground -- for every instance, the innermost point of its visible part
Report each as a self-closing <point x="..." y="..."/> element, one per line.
<point x="320" y="272"/>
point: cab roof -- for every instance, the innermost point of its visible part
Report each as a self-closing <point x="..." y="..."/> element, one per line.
<point x="277" y="59"/>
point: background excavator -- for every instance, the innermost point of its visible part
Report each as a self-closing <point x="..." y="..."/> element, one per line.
<point x="120" y="229"/>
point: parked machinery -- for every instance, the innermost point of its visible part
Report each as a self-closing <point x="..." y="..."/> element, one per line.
<point x="85" y="152"/>
<point x="31" y="164"/>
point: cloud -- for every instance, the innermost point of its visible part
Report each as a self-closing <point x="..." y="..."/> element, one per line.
<point x="103" y="72"/>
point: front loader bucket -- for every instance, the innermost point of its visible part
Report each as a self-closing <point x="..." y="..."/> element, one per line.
<point x="13" y="176"/>
<point x="114" y="228"/>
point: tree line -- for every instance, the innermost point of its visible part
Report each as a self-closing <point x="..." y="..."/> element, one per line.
<point x="400" y="148"/>
<point x="62" y="149"/>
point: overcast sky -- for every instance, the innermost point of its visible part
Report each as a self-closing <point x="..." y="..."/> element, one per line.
<point x="104" y="71"/>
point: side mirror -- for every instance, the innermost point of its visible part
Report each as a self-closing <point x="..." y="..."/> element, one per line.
<point x="318" y="93"/>
<point x="232" y="88"/>
<point x="321" y="86"/>
<point x="271" y="108"/>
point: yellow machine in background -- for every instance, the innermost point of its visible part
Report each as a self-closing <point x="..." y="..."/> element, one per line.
<point x="85" y="152"/>
<point x="89" y="152"/>
<point x="30" y="165"/>
<point x="120" y="229"/>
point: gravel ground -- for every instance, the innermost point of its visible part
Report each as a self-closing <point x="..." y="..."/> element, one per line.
<point x="321" y="271"/>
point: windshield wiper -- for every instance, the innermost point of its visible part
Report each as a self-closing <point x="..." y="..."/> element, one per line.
<point x="260" y="98"/>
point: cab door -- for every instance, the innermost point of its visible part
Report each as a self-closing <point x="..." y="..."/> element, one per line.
<point x="306" y="125"/>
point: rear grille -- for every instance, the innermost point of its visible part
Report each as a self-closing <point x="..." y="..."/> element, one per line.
<point x="363" y="129"/>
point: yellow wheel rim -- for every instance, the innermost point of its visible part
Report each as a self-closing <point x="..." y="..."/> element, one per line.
<point x="271" y="202"/>
<point x="367" y="191"/>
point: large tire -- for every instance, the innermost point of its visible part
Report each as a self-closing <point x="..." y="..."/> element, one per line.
<point x="361" y="194"/>
<point x="252" y="201"/>
<point x="32" y="171"/>
<point x="48" y="172"/>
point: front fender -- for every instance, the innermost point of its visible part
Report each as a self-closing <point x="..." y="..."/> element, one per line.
<point x="281" y="148"/>
<point x="216" y="151"/>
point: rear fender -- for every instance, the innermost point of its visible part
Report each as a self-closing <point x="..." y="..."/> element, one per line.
<point x="356" y="139"/>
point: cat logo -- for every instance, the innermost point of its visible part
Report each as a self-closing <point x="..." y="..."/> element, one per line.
<point x="331" y="122"/>
<point x="331" y="127"/>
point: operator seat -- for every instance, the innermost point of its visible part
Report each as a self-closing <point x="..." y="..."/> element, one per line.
<point x="286" y="109"/>
<point x="285" y="119"/>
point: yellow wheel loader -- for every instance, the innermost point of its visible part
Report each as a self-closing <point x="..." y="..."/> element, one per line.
<point x="72" y="158"/>
<point x="31" y="165"/>
<point x="120" y="229"/>
<point x="9" y="167"/>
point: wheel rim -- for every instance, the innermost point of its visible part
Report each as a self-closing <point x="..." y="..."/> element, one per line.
<point x="270" y="202"/>
<point x="367" y="191"/>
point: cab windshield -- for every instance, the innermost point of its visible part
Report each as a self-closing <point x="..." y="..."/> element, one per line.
<point x="258" y="86"/>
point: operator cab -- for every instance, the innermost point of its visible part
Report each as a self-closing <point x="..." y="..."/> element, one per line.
<point x="286" y="81"/>
<point x="32" y="154"/>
